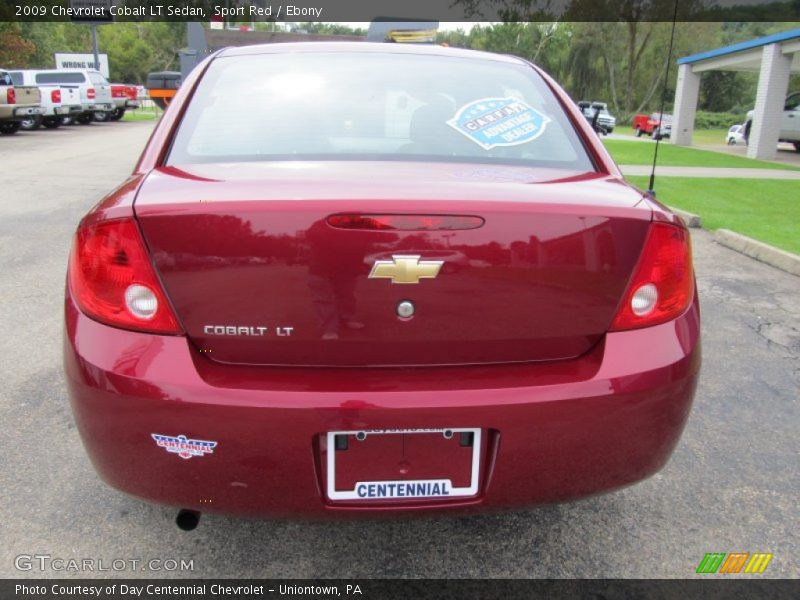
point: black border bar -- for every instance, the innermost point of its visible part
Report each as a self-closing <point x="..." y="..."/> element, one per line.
<point x="711" y="588"/>
<point x="409" y="10"/>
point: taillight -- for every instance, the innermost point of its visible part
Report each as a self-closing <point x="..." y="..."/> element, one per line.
<point x="662" y="286"/>
<point x="11" y="96"/>
<point x="90" y="93"/>
<point x="113" y="281"/>
<point x="55" y="96"/>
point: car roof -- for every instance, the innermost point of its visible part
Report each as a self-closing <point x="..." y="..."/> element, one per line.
<point x="64" y="71"/>
<point x="367" y="47"/>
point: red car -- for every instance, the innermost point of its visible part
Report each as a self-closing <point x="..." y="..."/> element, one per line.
<point x="124" y="96"/>
<point x="261" y="320"/>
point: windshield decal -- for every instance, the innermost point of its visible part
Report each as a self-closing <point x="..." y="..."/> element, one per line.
<point x="491" y="122"/>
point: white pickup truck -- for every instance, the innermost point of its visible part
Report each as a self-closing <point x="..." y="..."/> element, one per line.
<point x="56" y="100"/>
<point x="790" y="121"/>
<point x="93" y="89"/>
<point x="16" y="104"/>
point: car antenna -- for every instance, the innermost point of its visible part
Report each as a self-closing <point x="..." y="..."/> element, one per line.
<point x="651" y="187"/>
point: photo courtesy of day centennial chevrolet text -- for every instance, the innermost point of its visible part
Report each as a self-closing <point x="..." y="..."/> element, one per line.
<point x="425" y="289"/>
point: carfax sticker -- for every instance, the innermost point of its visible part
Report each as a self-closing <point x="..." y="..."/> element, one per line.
<point x="491" y="122"/>
<point x="183" y="447"/>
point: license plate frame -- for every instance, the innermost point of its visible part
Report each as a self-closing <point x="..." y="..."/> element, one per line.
<point x="453" y="492"/>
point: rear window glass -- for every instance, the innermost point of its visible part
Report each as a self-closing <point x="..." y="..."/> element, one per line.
<point x="371" y="106"/>
<point x="5" y="79"/>
<point x="16" y="78"/>
<point x="56" y="77"/>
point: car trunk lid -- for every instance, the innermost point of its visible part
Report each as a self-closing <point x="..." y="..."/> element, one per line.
<point x="270" y="263"/>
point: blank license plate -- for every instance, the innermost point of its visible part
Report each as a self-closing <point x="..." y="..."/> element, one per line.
<point x="403" y="464"/>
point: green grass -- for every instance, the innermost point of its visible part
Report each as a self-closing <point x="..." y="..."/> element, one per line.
<point x="712" y="137"/>
<point x="146" y="114"/>
<point x="767" y="210"/>
<point x="627" y="152"/>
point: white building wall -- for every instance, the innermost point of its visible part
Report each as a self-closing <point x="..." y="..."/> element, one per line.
<point x="686" y="96"/>
<point x="773" y="83"/>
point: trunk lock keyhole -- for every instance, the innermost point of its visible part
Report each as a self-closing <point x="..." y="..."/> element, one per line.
<point x="405" y="309"/>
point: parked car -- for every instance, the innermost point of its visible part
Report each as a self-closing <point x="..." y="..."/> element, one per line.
<point x="655" y="124"/>
<point x="124" y="97"/>
<point x="16" y="104"/>
<point x="93" y="88"/>
<point x="346" y="370"/>
<point x="605" y="121"/>
<point x="790" y="121"/>
<point x="735" y="135"/>
<point x="57" y="101"/>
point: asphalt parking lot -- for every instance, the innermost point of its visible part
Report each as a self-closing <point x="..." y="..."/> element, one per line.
<point x="731" y="486"/>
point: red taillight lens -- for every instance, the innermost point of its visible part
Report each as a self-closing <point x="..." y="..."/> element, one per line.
<point x="662" y="287"/>
<point x="55" y="96"/>
<point x="112" y="279"/>
<point x="11" y="96"/>
<point x="90" y="93"/>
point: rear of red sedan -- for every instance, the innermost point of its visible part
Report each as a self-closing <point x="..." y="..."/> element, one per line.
<point x="363" y="278"/>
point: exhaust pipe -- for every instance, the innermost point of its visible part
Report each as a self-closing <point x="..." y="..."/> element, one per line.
<point x="187" y="519"/>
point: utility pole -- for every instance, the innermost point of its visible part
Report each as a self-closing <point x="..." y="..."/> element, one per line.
<point x="95" y="47"/>
<point x="93" y="13"/>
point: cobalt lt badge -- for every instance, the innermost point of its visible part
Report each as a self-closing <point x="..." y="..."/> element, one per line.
<point x="491" y="122"/>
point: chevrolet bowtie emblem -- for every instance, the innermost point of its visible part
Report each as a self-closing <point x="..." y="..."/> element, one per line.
<point x="405" y="269"/>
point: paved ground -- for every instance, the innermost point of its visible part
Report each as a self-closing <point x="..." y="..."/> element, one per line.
<point x="732" y="484"/>
<point x="627" y="137"/>
<point x="786" y="154"/>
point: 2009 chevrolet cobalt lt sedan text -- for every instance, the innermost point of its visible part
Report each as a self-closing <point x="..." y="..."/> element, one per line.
<point x="372" y="278"/>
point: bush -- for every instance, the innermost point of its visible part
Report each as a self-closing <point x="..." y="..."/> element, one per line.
<point x="714" y="120"/>
<point x="704" y="119"/>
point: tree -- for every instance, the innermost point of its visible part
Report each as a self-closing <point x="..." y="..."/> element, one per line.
<point x="14" y="49"/>
<point x="331" y="29"/>
<point x="134" y="49"/>
<point x="623" y="60"/>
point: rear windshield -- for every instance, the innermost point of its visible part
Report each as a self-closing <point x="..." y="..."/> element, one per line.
<point x="56" y="77"/>
<point x="370" y="106"/>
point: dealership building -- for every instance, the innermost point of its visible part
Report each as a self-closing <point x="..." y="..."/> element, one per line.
<point x="774" y="57"/>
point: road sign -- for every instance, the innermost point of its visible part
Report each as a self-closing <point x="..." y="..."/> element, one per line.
<point x="65" y="60"/>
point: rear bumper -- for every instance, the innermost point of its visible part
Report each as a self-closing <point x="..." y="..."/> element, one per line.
<point x="16" y="112"/>
<point x="73" y="109"/>
<point x="102" y="106"/>
<point x="553" y="432"/>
